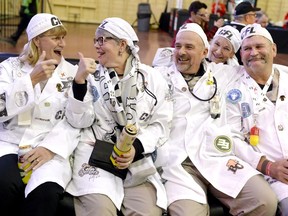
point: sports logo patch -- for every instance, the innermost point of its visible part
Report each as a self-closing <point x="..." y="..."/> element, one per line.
<point x="223" y="143"/>
<point x="234" y="96"/>
<point x="21" y="98"/>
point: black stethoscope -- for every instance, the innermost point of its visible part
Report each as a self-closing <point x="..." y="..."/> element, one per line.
<point x="214" y="100"/>
<point x="213" y="95"/>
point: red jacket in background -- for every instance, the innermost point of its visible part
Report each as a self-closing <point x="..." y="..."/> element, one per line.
<point x="221" y="9"/>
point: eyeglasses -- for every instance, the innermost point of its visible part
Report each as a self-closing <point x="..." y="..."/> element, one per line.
<point x="251" y="14"/>
<point x="101" y="40"/>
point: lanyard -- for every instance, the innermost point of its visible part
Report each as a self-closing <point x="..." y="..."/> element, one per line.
<point x="258" y="103"/>
<point x="257" y="96"/>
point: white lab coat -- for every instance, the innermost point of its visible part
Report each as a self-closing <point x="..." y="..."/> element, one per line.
<point x="193" y="135"/>
<point x="152" y="132"/>
<point x="272" y="123"/>
<point x="44" y="110"/>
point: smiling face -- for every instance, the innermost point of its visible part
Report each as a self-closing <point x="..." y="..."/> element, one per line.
<point x="220" y="50"/>
<point x="52" y="42"/>
<point x="257" y="55"/>
<point x="189" y="52"/>
<point x="112" y="51"/>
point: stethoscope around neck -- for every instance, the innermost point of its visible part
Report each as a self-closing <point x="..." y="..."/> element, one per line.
<point x="213" y="95"/>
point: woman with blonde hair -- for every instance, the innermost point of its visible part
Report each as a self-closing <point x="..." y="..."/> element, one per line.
<point x="33" y="90"/>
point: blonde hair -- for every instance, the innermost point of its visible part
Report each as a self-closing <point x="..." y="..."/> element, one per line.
<point x="31" y="52"/>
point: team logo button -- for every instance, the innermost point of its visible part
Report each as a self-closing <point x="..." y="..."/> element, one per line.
<point x="234" y="96"/>
<point x="223" y="143"/>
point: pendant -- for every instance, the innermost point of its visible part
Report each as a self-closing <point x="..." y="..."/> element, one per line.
<point x="210" y="80"/>
<point x="215" y="107"/>
<point x="254" y="136"/>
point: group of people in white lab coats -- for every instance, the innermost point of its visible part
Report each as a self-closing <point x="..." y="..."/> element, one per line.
<point x="201" y="126"/>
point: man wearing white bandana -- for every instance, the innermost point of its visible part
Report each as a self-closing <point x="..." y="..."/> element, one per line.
<point x="259" y="113"/>
<point x="33" y="97"/>
<point x="225" y="43"/>
<point x="119" y="91"/>
<point x="200" y="146"/>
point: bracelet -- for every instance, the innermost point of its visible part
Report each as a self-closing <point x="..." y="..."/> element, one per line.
<point x="268" y="168"/>
<point x="264" y="167"/>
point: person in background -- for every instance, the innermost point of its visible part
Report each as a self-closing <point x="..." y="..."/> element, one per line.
<point x="244" y="14"/>
<point x="33" y="90"/>
<point x="200" y="148"/>
<point x="230" y="7"/>
<point x="27" y="11"/>
<point x="226" y="42"/>
<point x="219" y="8"/>
<point x="257" y="111"/>
<point x="121" y="92"/>
<point x="199" y="14"/>
<point x="262" y="18"/>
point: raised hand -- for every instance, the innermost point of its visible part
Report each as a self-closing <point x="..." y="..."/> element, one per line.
<point x="86" y="66"/>
<point x="43" y="69"/>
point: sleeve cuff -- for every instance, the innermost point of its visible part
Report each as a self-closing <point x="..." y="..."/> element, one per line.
<point x="138" y="150"/>
<point x="79" y="90"/>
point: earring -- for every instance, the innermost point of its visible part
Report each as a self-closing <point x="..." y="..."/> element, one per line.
<point x="120" y="53"/>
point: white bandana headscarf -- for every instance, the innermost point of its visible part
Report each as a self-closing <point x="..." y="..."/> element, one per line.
<point x="194" y="27"/>
<point x="122" y="30"/>
<point x="231" y="34"/>
<point x="255" y="29"/>
<point x="41" y="23"/>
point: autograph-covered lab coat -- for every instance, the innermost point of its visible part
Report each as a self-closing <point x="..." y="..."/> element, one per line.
<point x="206" y="141"/>
<point x="29" y="116"/>
<point x="153" y="120"/>
<point x="271" y="121"/>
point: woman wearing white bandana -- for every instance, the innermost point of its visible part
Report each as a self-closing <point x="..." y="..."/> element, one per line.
<point x="122" y="91"/>
<point x="226" y="42"/>
<point x="33" y="97"/>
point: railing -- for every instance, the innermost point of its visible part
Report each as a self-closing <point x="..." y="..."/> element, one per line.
<point x="9" y="16"/>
